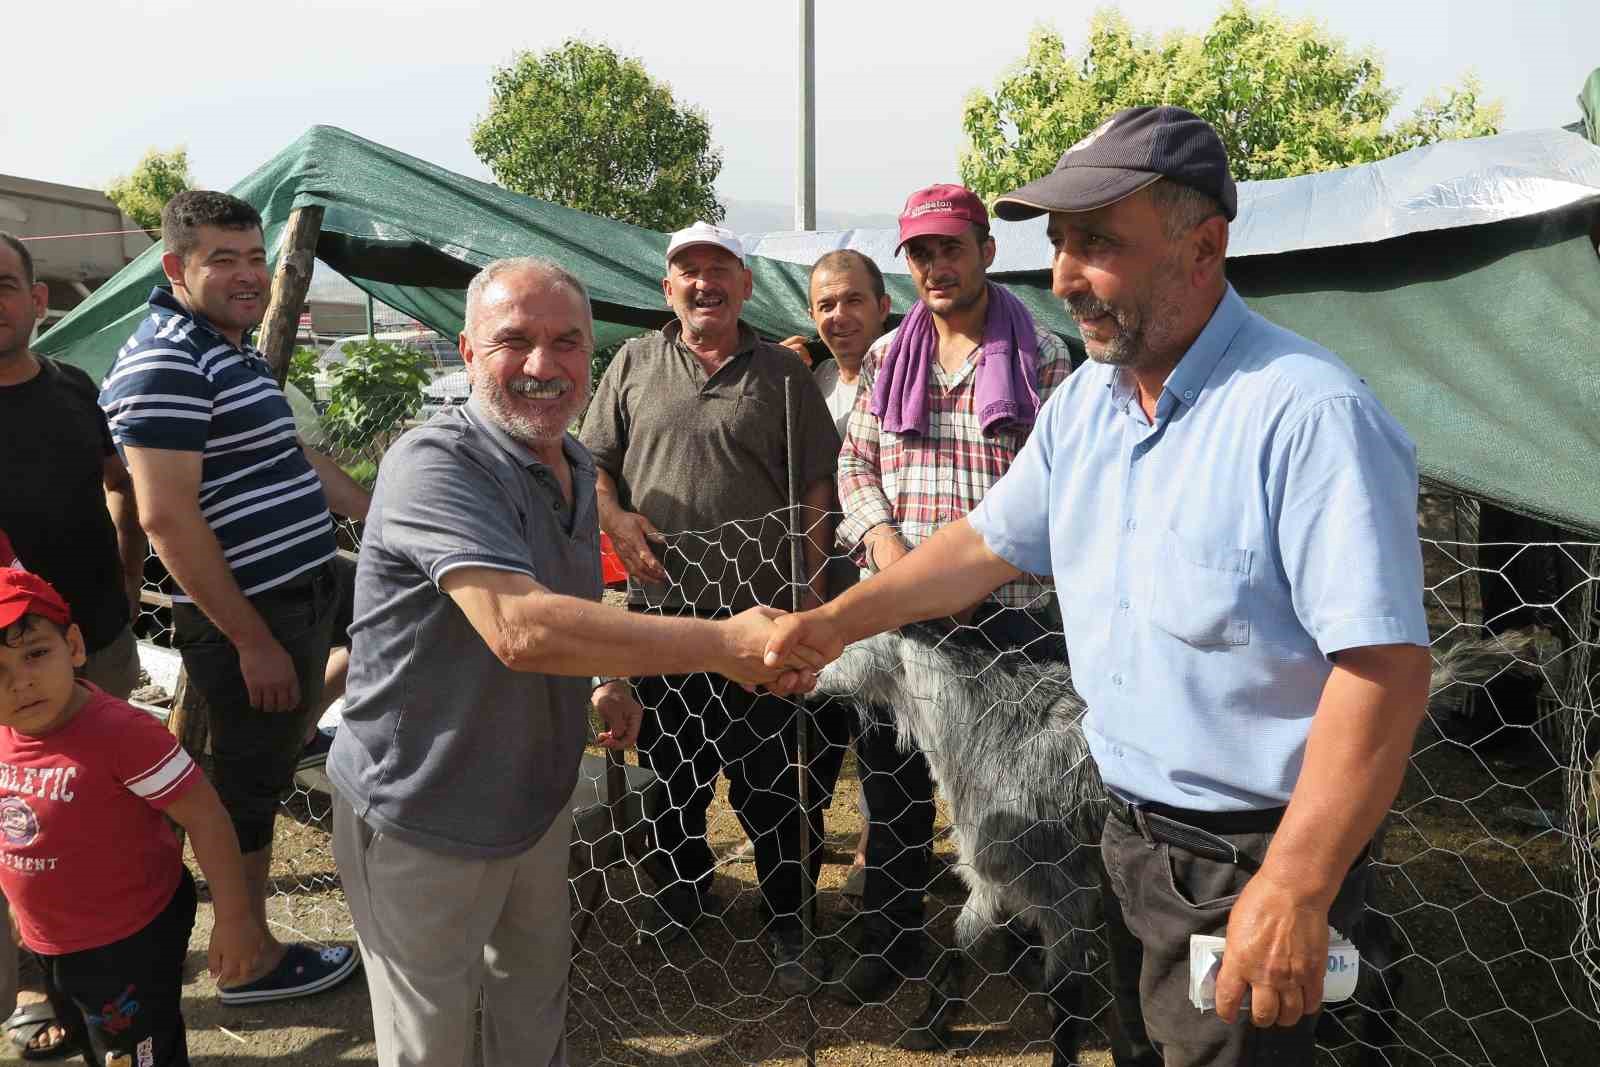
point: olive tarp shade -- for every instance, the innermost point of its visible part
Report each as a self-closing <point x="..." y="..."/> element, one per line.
<point x="1484" y="341"/>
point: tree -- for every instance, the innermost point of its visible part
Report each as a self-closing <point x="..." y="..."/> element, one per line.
<point x="375" y="390"/>
<point x="159" y="177"/>
<point x="304" y="363"/>
<point x="582" y="126"/>
<point x="1287" y="98"/>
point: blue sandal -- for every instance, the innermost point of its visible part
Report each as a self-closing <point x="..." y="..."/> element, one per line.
<point x="302" y="971"/>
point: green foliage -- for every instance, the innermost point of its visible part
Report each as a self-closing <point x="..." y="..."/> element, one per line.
<point x="583" y="126"/>
<point x="303" y="371"/>
<point x="365" y="472"/>
<point x="377" y="388"/>
<point x="1287" y="98"/>
<point x="1454" y="113"/>
<point x="600" y="360"/>
<point x="159" y="177"/>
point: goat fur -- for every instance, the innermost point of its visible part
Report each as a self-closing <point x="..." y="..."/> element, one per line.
<point x="1004" y="742"/>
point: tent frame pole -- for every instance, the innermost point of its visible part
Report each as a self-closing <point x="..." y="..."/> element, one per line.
<point x="291" y="280"/>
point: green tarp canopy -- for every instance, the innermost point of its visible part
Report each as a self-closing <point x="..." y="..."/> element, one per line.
<point x="1589" y="102"/>
<point x="1483" y="340"/>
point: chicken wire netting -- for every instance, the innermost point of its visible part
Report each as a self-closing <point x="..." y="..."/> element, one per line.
<point x="1483" y="939"/>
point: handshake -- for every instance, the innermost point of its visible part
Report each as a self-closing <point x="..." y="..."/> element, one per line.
<point x="759" y="647"/>
<point x="780" y="651"/>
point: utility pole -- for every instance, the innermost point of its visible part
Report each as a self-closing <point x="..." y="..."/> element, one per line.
<point x="805" y="186"/>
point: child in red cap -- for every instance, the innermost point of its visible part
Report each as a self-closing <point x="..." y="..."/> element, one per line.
<point x="94" y="874"/>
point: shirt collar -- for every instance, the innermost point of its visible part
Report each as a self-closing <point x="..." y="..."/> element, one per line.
<point x="521" y="453"/>
<point x="1188" y="379"/>
<point x="162" y="297"/>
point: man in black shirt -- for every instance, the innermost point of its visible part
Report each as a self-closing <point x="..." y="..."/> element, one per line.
<point x="68" y="509"/>
<point x="68" y="504"/>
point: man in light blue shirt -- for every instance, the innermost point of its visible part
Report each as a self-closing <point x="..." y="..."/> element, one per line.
<point x="1233" y="517"/>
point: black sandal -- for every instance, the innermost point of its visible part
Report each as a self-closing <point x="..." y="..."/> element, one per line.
<point x="31" y="1021"/>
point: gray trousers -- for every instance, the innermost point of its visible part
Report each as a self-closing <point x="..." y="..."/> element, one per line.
<point x="437" y="931"/>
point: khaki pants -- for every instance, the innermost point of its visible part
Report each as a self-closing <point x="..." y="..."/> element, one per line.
<point x="436" y="931"/>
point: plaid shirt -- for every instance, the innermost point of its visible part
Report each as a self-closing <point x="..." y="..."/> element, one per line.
<point x="919" y="483"/>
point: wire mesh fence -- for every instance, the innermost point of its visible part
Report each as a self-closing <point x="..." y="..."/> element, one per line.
<point x="1483" y="939"/>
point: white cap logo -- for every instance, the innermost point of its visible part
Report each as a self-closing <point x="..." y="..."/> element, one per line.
<point x="1091" y="137"/>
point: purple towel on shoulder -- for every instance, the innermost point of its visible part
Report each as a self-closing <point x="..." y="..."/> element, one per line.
<point x="1006" y="380"/>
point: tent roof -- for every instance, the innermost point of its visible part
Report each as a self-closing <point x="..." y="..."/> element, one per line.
<point x="1444" y="186"/>
<point x="1479" y="337"/>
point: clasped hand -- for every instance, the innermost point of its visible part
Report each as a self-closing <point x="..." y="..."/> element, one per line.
<point x="782" y="652"/>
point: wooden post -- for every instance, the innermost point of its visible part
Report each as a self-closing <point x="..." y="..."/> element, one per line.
<point x="290" y="281"/>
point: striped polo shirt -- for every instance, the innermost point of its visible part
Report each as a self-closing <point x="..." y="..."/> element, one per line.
<point x="180" y="385"/>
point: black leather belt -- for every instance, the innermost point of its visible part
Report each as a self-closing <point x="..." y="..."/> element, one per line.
<point x="1199" y="831"/>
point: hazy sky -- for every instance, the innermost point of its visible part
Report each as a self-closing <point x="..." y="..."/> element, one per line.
<point x="91" y="84"/>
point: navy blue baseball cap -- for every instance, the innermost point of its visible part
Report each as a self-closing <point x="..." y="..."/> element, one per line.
<point x="1132" y="149"/>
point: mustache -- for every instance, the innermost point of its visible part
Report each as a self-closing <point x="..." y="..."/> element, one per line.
<point x="1088" y="306"/>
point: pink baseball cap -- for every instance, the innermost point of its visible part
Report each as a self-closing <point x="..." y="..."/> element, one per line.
<point x="946" y="210"/>
<point x="22" y="594"/>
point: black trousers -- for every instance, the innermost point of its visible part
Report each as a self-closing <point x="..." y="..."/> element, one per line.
<point x="123" y="1001"/>
<point x="1155" y="896"/>
<point x="697" y="725"/>
<point x="253" y="753"/>
<point x="899" y="788"/>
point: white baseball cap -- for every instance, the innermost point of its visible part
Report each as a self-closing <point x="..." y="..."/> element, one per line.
<point x="703" y="233"/>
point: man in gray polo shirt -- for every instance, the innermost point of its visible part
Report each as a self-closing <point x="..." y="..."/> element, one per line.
<point x="474" y="639"/>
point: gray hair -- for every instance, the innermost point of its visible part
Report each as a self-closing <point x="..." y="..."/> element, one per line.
<point x="545" y="268"/>
<point x="1182" y="207"/>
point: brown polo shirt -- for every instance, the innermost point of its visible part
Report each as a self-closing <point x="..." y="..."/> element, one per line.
<point x="706" y="459"/>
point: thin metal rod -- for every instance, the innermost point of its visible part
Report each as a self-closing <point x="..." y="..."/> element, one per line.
<point x="802" y="719"/>
<point x="805" y="190"/>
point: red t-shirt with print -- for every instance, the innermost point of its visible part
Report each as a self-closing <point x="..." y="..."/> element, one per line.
<point x="85" y="855"/>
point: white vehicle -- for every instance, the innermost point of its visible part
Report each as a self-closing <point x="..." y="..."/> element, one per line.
<point x="444" y="366"/>
<point x="448" y="390"/>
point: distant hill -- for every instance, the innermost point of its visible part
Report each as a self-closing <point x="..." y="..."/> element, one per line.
<point x="766" y="216"/>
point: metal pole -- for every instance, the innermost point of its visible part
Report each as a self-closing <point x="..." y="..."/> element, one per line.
<point x="805" y="190"/>
<point x="802" y="719"/>
<point x="370" y="317"/>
